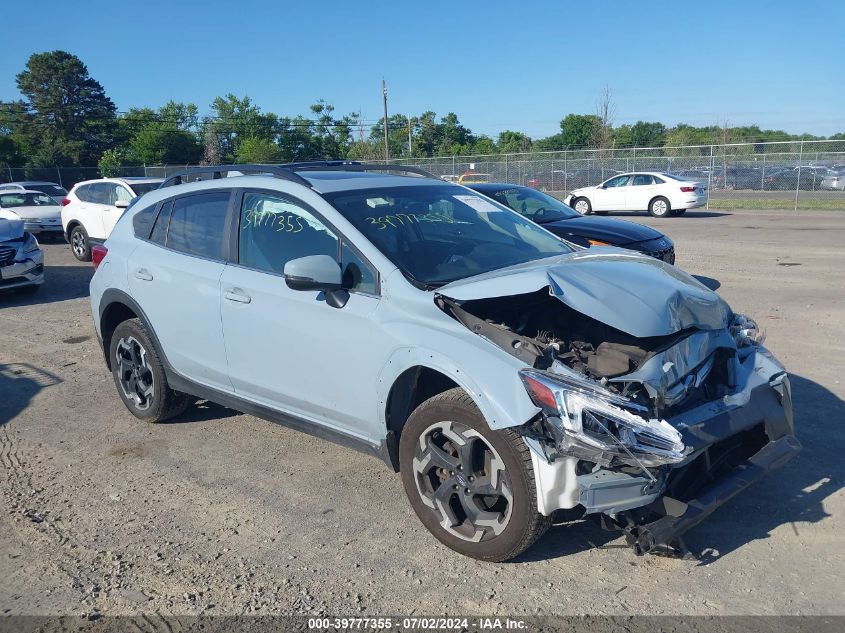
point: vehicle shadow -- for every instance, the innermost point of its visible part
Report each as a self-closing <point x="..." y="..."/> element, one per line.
<point x="203" y="411"/>
<point x="692" y="213"/>
<point x="19" y="382"/>
<point x="709" y="282"/>
<point x="793" y="495"/>
<point x="61" y="283"/>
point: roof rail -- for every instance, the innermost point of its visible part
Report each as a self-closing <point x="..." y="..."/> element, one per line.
<point x="356" y="166"/>
<point x="287" y="171"/>
<point x="218" y="171"/>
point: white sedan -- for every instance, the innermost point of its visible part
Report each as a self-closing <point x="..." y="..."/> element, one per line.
<point x="40" y="212"/>
<point x="658" y="193"/>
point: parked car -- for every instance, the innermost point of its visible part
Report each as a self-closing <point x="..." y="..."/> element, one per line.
<point x="93" y="207"/>
<point x="658" y="193"/>
<point x="565" y="222"/>
<point x="21" y="259"/>
<point x="503" y="372"/>
<point x="473" y="177"/>
<point x="787" y="178"/>
<point x="40" y="213"/>
<point x="834" y="181"/>
<point x="56" y="192"/>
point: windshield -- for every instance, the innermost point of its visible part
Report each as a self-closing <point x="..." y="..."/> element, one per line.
<point x="437" y="234"/>
<point x="11" y="200"/>
<point x="140" y="188"/>
<point x="535" y="205"/>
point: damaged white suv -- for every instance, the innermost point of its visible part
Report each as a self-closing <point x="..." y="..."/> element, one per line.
<point x="506" y="373"/>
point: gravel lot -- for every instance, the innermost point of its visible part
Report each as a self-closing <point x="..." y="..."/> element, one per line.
<point x="224" y="513"/>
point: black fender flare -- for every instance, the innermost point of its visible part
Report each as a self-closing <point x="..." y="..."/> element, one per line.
<point x="114" y="296"/>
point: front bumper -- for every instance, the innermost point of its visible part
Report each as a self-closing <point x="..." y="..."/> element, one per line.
<point x="732" y="443"/>
<point x="29" y="272"/>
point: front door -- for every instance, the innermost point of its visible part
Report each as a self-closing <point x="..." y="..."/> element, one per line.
<point x="612" y="196"/>
<point x="113" y="213"/>
<point x="290" y="350"/>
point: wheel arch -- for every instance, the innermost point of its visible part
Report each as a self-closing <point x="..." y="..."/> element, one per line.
<point x="116" y="307"/>
<point x="72" y="224"/>
<point x="412" y="375"/>
<point x="660" y="196"/>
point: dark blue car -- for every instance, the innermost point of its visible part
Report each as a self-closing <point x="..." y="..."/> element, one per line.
<point x="567" y="223"/>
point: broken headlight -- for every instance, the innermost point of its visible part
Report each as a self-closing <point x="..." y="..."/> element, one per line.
<point x="594" y="424"/>
<point x="746" y="331"/>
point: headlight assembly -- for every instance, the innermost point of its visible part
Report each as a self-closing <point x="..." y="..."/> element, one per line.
<point x="31" y="244"/>
<point x="746" y="331"/>
<point x="597" y="425"/>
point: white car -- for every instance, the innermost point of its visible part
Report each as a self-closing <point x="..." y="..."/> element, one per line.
<point x="658" y="193"/>
<point x="93" y="207"/>
<point x="40" y="213"/>
<point x="56" y="192"/>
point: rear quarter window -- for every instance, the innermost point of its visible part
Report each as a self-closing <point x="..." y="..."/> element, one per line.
<point x="143" y="220"/>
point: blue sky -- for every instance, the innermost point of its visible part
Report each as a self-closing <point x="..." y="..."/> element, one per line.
<point x="498" y="65"/>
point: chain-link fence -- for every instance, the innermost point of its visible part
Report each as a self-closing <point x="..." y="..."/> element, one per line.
<point x="795" y="174"/>
<point x="787" y="175"/>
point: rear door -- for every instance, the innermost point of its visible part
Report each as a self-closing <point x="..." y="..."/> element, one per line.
<point x="175" y="278"/>
<point x="99" y="203"/>
<point x="640" y="192"/>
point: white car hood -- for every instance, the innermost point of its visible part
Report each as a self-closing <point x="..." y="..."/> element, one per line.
<point x="11" y="225"/>
<point x="639" y="295"/>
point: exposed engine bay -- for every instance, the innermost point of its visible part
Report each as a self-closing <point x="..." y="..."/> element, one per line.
<point x="548" y="335"/>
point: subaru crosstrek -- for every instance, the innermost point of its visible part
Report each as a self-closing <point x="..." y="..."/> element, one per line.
<point x="506" y="373"/>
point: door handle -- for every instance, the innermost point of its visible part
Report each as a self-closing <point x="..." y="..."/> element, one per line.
<point x="143" y="274"/>
<point x="237" y="295"/>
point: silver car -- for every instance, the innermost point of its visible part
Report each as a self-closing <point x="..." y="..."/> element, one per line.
<point x="21" y="259"/>
<point x="506" y="373"/>
<point x="834" y="181"/>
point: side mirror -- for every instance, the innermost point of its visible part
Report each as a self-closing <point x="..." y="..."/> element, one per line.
<point x="121" y="204"/>
<point x="317" y="272"/>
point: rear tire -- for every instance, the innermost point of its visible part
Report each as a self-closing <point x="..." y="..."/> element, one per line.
<point x="582" y="205"/>
<point x="80" y="245"/>
<point x="139" y="375"/>
<point x="471" y="487"/>
<point x="660" y="207"/>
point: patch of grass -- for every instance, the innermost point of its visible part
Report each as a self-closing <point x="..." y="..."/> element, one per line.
<point x="805" y="204"/>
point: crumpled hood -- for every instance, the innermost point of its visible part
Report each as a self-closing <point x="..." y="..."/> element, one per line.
<point x="11" y="225"/>
<point x="639" y="295"/>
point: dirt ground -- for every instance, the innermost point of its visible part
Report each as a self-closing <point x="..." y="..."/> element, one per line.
<point x="224" y="513"/>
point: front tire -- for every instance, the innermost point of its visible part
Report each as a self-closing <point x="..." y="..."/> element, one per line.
<point x="660" y="207"/>
<point x="472" y="487"/>
<point x="582" y="205"/>
<point x="139" y="375"/>
<point x="80" y="245"/>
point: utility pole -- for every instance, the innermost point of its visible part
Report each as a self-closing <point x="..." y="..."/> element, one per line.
<point x="384" y="101"/>
<point x="410" y="142"/>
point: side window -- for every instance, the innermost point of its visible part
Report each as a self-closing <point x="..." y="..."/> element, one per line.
<point x="100" y="193"/>
<point x="642" y="179"/>
<point x="658" y="181"/>
<point x="159" y="233"/>
<point x="357" y="274"/>
<point x="122" y="194"/>
<point x="142" y="221"/>
<point x="84" y="193"/>
<point x="619" y="181"/>
<point x="198" y="223"/>
<point x="275" y="229"/>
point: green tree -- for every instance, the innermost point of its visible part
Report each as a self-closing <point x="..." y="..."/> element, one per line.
<point x="68" y="118"/>
<point x="235" y="119"/>
<point x="257" y="150"/>
<point x="513" y="142"/>
<point x="641" y="134"/>
<point x="11" y="153"/>
<point x="167" y="135"/>
<point x="109" y="163"/>
<point x="579" y="130"/>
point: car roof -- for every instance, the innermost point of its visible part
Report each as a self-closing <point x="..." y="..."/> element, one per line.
<point x="330" y="181"/>
<point x="127" y="181"/>
<point x="17" y="192"/>
<point x="32" y="182"/>
<point x="494" y="186"/>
